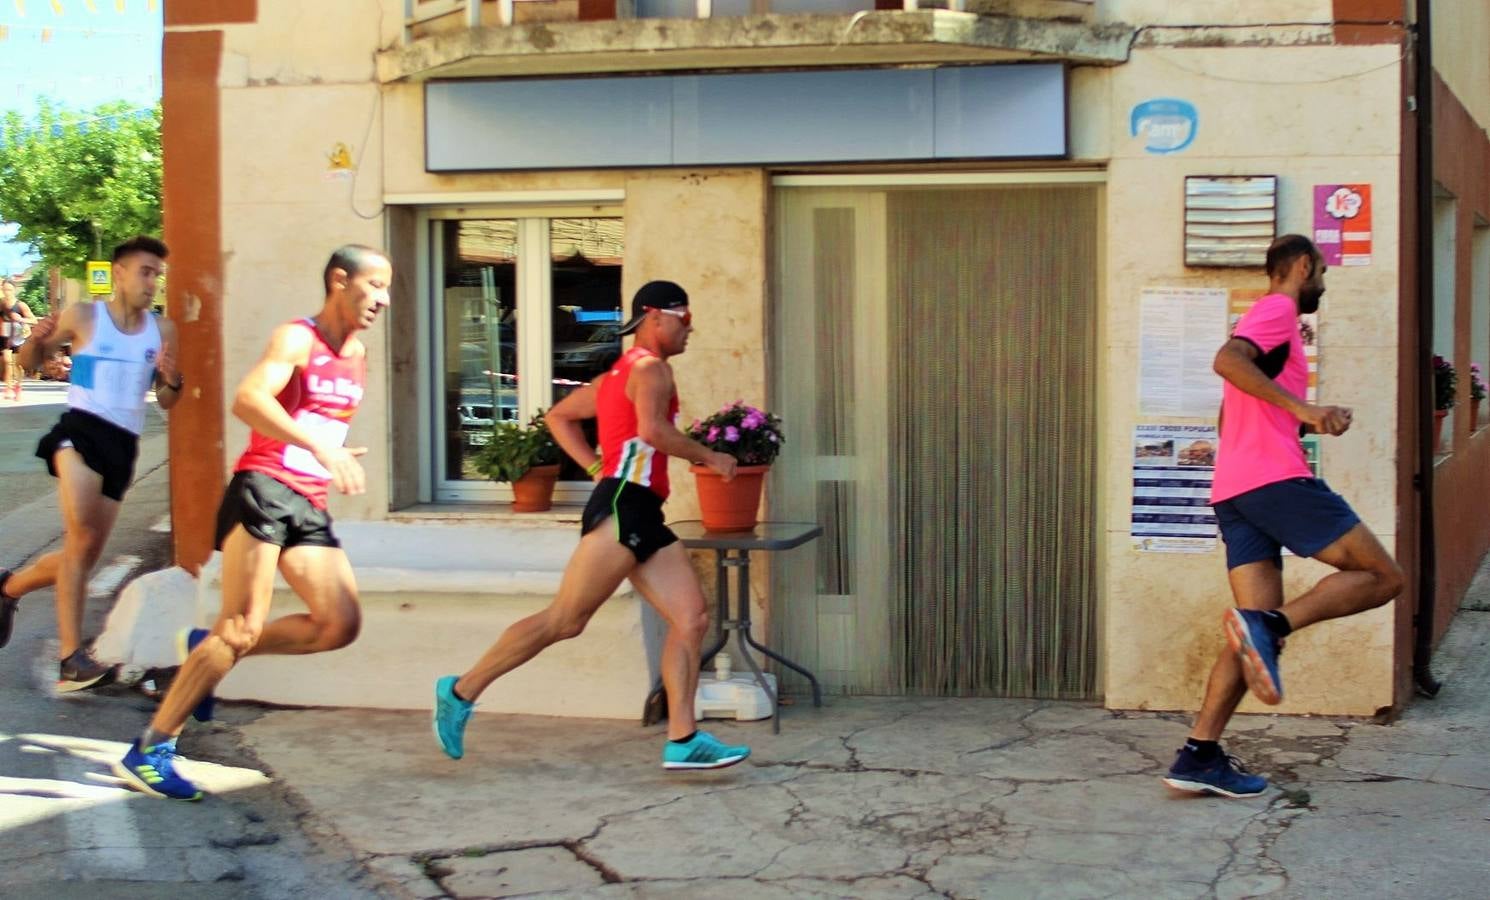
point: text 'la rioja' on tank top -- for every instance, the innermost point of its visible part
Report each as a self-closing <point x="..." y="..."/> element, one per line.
<point x="321" y="398"/>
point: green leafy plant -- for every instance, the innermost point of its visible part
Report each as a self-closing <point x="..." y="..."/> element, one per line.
<point x="752" y="436"/>
<point x="1445" y="383"/>
<point x="515" y="448"/>
<point x="1477" y="387"/>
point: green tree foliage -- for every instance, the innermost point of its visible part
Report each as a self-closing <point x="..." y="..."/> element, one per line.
<point x="33" y="293"/>
<point x="79" y="183"/>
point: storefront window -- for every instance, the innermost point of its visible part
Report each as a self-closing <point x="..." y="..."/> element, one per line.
<point x="528" y="309"/>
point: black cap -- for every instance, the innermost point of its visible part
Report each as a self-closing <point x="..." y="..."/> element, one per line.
<point x="654" y="295"/>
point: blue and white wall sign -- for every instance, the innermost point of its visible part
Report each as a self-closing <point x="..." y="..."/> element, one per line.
<point x="1165" y="124"/>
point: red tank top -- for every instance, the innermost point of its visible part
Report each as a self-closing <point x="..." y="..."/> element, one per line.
<point x="321" y="398"/>
<point x="623" y="454"/>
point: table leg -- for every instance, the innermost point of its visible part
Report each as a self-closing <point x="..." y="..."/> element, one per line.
<point x="743" y="639"/>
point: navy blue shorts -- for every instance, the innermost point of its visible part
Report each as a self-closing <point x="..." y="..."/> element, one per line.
<point x="1302" y="514"/>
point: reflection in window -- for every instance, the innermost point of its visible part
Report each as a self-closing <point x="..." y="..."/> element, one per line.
<point x="480" y="340"/>
<point x="585" y="259"/>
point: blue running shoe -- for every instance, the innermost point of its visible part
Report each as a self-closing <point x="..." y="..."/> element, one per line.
<point x="450" y="717"/>
<point x="703" y="751"/>
<point x="1257" y="647"/>
<point x="153" y="770"/>
<point x="1224" y="777"/>
<point x="186" y="642"/>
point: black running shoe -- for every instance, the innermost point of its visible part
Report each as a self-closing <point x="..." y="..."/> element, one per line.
<point x="81" y="671"/>
<point x="7" y="609"/>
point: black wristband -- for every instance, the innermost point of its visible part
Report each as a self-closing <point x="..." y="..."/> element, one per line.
<point x="180" y="381"/>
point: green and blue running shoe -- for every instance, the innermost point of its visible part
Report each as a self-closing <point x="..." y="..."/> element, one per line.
<point x="153" y="770"/>
<point x="702" y="751"/>
<point x="450" y="717"/>
<point x="186" y="642"/>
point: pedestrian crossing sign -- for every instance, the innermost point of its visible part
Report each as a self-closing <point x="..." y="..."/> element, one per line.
<point x="100" y="277"/>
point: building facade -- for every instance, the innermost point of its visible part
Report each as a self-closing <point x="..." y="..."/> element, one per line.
<point x="978" y="259"/>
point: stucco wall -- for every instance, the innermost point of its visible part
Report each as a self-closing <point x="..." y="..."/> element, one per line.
<point x="1309" y="115"/>
<point x="1461" y="54"/>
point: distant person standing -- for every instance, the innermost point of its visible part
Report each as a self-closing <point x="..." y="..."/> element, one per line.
<point x="16" y="320"/>
<point x="120" y="350"/>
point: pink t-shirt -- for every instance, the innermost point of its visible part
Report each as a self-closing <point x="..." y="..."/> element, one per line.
<point x="1259" y="441"/>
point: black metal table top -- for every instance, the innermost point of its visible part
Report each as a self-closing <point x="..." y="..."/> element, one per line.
<point x="764" y="536"/>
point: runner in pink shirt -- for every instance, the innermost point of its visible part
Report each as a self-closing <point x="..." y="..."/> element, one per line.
<point x="1267" y="498"/>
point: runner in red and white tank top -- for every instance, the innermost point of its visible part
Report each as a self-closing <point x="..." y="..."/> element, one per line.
<point x="321" y="398"/>
<point x="623" y="453"/>
<point x="298" y="401"/>
<point x="624" y="532"/>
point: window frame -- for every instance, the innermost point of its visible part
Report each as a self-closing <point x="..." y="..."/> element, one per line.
<point x="535" y="328"/>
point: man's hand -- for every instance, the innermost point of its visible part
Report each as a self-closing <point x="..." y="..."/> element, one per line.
<point x="346" y="471"/>
<point x="44" y="328"/>
<point x="165" y="366"/>
<point x="1333" y="420"/>
<point x="722" y="463"/>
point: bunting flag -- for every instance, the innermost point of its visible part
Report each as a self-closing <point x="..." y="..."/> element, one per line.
<point x="91" y="5"/>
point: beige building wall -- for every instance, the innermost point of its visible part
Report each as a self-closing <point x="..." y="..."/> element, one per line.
<point x="1310" y="115"/>
<point x="1461" y="53"/>
<point x="1214" y="12"/>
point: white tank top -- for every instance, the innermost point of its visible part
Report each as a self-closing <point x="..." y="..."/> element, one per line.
<point x="113" y="371"/>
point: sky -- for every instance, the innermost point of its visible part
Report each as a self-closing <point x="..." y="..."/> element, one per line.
<point x="78" y="53"/>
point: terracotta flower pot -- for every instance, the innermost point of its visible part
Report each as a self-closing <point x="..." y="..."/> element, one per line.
<point x="534" y="492"/>
<point x="1438" y="416"/>
<point x="732" y="505"/>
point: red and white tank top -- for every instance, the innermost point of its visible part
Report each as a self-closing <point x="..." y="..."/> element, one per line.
<point x="623" y="454"/>
<point x="321" y="398"/>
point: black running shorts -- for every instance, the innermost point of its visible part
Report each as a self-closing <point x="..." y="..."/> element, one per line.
<point x="273" y="512"/>
<point x="633" y="512"/>
<point x="105" y="447"/>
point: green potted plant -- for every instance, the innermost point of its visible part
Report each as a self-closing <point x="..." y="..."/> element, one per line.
<point x="525" y="456"/>
<point x="1445" y="394"/>
<point x="754" y="438"/>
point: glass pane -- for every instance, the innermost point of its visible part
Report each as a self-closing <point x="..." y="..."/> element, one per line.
<point x="586" y="288"/>
<point x="479" y="293"/>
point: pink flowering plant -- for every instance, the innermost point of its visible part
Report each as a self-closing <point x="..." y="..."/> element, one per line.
<point x="1477" y="387"/>
<point x="752" y="436"/>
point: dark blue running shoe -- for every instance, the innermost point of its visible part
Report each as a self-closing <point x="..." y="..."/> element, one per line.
<point x="1224" y="776"/>
<point x="1257" y="647"/>
<point x="186" y="642"/>
<point x="153" y="770"/>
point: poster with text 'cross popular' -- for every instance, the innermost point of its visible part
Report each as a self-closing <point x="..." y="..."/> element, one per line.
<point x="1172" y="470"/>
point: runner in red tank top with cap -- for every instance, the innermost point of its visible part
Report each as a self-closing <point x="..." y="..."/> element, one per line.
<point x="624" y="532"/>
<point x="299" y="400"/>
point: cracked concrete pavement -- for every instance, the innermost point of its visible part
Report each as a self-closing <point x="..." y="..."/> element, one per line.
<point x="873" y="797"/>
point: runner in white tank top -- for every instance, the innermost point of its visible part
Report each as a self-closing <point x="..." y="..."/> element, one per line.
<point x="112" y="372"/>
<point x="119" y="349"/>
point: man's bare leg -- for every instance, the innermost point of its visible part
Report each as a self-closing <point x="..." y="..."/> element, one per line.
<point x="87" y="518"/>
<point x="596" y="569"/>
<point x="668" y="582"/>
<point x="247" y="585"/>
<point x="1257" y="585"/>
<point x="322" y="578"/>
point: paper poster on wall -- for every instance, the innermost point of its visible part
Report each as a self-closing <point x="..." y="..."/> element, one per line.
<point x="1180" y="330"/>
<point x="1342" y="223"/>
<point x="1242" y="300"/>
<point x="1172" y="470"/>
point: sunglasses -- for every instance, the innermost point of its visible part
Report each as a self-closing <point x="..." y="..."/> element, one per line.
<point x="686" y="315"/>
